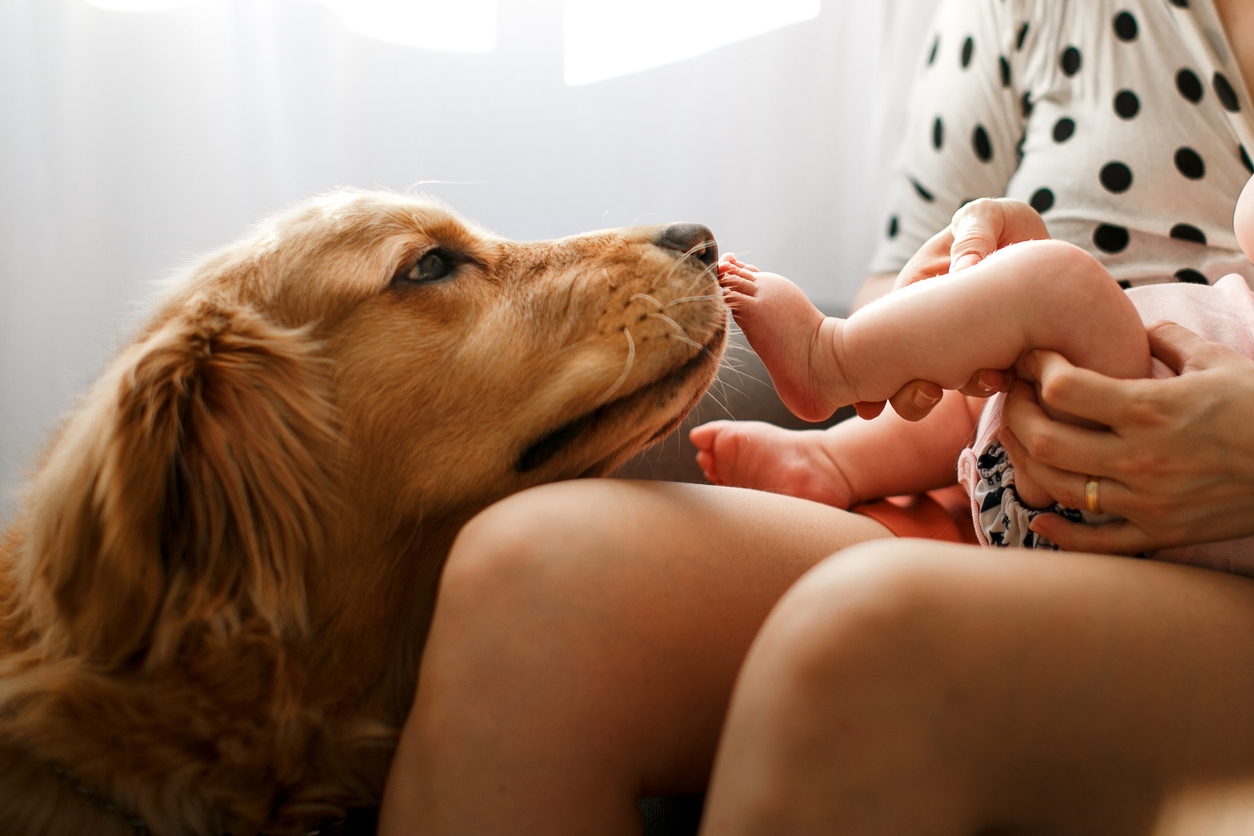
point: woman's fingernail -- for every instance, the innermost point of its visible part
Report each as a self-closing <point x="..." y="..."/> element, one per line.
<point x="990" y="380"/>
<point x="964" y="262"/>
<point x="923" y="400"/>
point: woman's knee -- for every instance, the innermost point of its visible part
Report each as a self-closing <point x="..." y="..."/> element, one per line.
<point x="871" y="617"/>
<point x="508" y="553"/>
<point x="840" y="701"/>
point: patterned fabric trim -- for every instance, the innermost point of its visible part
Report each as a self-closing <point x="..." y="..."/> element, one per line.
<point x="1003" y="518"/>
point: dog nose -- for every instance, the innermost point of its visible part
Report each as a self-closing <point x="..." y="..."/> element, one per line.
<point x="690" y="239"/>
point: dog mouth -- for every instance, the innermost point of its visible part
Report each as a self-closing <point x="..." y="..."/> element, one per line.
<point x="552" y="443"/>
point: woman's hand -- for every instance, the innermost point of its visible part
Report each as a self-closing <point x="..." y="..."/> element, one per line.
<point x="1177" y="463"/>
<point x="977" y="230"/>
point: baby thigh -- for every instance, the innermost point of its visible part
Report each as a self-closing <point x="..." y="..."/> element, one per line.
<point x="584" y="647"/>
<point x="907" y="687"/>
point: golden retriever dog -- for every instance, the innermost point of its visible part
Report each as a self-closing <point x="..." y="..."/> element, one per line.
<point x="215" y="595"/>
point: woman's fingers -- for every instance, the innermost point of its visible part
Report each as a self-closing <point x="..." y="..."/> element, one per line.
<point x="1183" y="350"/>
<point x="915" y="400"/>
<point x="869" y="409"/>
<point x="977" y="230"/>
<point x="1039" y="441"/>
<point x="984" y="226"/>
<point x="1067" y="487"/>
<point x="1084" y="393"/>
<point x="988" y="382"/>
<point x="932" y="259"/>
<point x="1121" y="537"/>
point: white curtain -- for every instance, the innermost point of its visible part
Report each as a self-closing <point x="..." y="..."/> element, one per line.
<point x="129" y="142"/>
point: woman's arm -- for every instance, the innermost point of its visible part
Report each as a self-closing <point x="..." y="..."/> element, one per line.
<point x="1177" y="463"/>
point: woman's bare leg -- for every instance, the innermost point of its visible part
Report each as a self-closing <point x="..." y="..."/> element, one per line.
<point x="584" y="648"/>
<point x="909" y="687"/>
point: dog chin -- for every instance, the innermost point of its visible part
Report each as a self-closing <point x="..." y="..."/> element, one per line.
<point x="613" y="431"/>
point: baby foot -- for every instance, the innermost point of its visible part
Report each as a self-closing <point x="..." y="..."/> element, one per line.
<point x="793" y="338"/>
<point x="754" y="454"/>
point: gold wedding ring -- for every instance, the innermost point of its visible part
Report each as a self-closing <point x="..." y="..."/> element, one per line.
<point x="1090" y="496"/>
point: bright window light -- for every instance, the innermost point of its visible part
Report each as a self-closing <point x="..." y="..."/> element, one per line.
<point x="446" y="25"/>
<point x="605" y="39"/>
<point x="139" y="5"/>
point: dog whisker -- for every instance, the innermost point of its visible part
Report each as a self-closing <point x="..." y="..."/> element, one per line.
<point x="687" y="299"/>
<point x="649" y="298"/>
<point x="694" y="343"/>
<point x="710" y="272"/>
<point x="727" y="385"/>
<point x="720" y="404"/>
<point x="743" y="376"/>
<point x="622" y="378"/>
<point x="667" y="277"/>
<point x="678" y="328"/>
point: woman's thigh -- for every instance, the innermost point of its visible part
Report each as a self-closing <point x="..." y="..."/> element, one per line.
<point x="918" y="687"/>
<point x="586" y="640"/>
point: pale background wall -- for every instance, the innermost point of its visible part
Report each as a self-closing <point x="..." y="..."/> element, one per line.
<point x="130" y="142"/>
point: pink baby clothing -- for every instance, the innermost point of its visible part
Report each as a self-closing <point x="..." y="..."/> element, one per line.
<point x="1222" y="313"/>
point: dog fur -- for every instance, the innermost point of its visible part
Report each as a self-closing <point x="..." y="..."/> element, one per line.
<point x="214" y="598"/>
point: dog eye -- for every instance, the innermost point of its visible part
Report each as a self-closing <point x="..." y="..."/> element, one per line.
<point x="433" y="266"/>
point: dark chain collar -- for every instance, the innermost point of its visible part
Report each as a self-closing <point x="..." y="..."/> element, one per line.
<point x="138" y="824"/>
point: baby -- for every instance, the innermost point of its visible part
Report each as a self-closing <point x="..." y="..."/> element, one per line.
<point x="1029" y="295"/>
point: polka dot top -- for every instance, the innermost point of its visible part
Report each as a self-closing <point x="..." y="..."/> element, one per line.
<point x="1125" y="123"/>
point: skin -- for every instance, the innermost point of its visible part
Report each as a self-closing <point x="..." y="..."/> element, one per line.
<point x="1038" y="293"/>
<point x="617" y="615"/>
<point x="911" y="687"/>
<point x="1175" y="460"/>
<point x="1178" y="460"/>
<point x="609" y="677"/>
<point x="965" y="690"/>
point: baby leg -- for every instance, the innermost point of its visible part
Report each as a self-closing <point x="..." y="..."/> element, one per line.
<point x="1038" y="294"/>
<point x="1042" y="294"/>
<point x="854" y="461"/>
<point x="762" y="456"/>
<point x="793" y="338"/>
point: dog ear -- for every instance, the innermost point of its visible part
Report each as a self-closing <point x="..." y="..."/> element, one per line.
<point x="189" y="488"/>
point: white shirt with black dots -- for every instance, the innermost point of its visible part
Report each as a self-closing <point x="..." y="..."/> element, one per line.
<point x="1125" y="123"/>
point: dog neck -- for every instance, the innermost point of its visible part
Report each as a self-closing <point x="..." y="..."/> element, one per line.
<point x="137" y="824"/>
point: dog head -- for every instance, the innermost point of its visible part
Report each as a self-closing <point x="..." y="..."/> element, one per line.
<point x="361" y="363"/>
